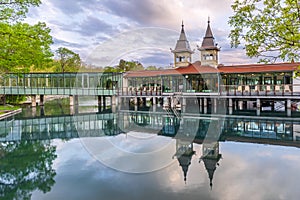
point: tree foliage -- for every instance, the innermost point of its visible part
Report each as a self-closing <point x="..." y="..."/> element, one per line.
<point x="270" y="29"/>
<point x="14" y="10"/>
<point x="69" y="61"/>
<point x="125" y="66"/>
<point x="151" y="67"/>
<point x="23" y="45"/>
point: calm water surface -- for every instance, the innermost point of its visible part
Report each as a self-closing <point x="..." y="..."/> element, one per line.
<point x="144" y="155"/>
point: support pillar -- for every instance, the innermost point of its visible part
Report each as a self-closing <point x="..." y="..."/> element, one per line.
<point x="258" y="107"/>
<point x="104" y="101"/>
<point x="99" y="101"/>
<point x="215" y="105"/>
<point x="144" y="101"/>
<point x="200" y="105"/>
<point x="113" y="108"/>
<point x="183" y="101"/>
<point x="120" y="101"/>
<point x="135" y="100"/>
<point x="288" y="107"/>
<point x="71" y="100"/>
<point x="154" y="101"/>
<point x="205" y="105"/>
<point x="33" y="100"/>
<point x="241" y="105"/>
<point x="113" y="100"/>
<point x="41" y="100"/>
<point x="154" y="107"/>
<point x="230" y="106"/>
<point x="172" y="102"/>
<point x="99" y="98"/>
<point x="183" y="105"/>
<point x="245" y="106"/>
<point x="76" y="100"/>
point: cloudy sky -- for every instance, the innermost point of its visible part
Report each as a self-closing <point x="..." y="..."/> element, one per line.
<point x="104" y="31"/>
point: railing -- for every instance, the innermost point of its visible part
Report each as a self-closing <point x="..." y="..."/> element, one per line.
<point x="260" y="90"/>
<point x="141" y="91"/>
<point x="16" y="90"/>
<point x="225" y="90"/>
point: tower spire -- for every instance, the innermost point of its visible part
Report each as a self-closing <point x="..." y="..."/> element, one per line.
<point x="182" y="52"/>
<point x="209" y="49"/>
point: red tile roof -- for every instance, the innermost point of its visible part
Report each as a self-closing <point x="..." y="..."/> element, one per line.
<point x="253" y="68"/>
<point x="197" y="68"/>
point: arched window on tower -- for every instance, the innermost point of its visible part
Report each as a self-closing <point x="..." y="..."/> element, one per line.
<point x="208" y="57"/>
<point x="180" y="59"/>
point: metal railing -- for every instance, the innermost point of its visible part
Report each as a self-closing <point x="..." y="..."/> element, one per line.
<point x="17" y="90"/>
<point x="141" y="91"/>
<point x="260" y="90"/>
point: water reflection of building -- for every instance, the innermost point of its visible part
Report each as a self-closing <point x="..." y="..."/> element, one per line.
<point x="210" y="157"/>
<point x="184" y="154"/>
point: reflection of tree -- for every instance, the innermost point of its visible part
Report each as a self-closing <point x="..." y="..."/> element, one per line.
<point x="25" y="166"/>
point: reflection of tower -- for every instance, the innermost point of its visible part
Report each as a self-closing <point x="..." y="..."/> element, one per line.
<point x="209" y="50"/>
<point x="182" y="52"/>
<point x="210" y="157"/>
<point x="184" y="154"/>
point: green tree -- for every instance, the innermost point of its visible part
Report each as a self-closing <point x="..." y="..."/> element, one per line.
<point x="14" y="10"/>
<point x="151" y="67"/>
<point x="23" y="45"/>
<point x="69" y="61"/>
<point x="270" y="29"/>
<point x="110" y="69"/>
<point x="125" y="66"/>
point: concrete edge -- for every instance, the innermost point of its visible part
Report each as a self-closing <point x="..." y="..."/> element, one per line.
<point x="10" y="113"/>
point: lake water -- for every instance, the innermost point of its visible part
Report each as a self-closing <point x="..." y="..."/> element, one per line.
<point x="147" y="155"/>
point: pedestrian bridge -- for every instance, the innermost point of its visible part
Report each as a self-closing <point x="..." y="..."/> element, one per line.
<point x="84" y="83"/>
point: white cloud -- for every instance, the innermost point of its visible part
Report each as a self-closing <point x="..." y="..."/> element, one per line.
<point x="83" y="26"/>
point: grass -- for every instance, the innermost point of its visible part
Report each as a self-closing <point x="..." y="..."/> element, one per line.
<point x="8" y="108"/>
